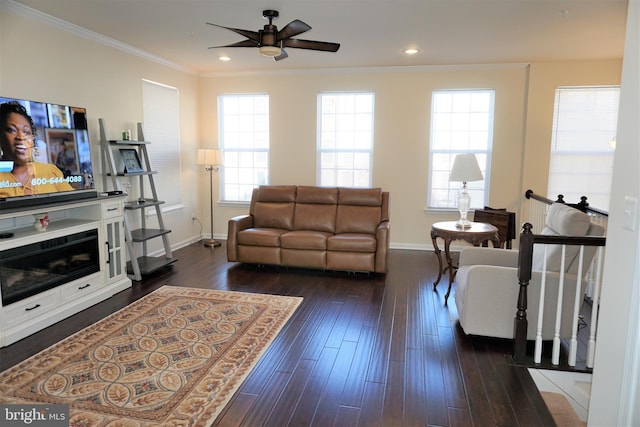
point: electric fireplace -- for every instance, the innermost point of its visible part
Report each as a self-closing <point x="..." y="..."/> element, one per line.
<point x="30" y="269"/>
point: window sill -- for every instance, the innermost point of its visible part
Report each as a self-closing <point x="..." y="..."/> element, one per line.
<point x="233" y="203"/>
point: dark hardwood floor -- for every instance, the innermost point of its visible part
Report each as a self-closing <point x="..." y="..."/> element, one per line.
<point x="380" y="350"/>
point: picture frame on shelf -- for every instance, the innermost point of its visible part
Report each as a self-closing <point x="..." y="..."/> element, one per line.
<point x="130" y="160"/>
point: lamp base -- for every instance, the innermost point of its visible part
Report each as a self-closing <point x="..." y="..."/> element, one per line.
<point x="211" y="243"/>
<point x="463" y="223"/>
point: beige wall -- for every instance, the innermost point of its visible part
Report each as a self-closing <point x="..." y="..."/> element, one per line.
<point x="53" y="64"/>
<point x="522" y="128"/>
<point x="544" y="78"/>
<point x="47" y="63"/>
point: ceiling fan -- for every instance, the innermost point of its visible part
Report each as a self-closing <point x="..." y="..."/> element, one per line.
<point x="272" y="42"/>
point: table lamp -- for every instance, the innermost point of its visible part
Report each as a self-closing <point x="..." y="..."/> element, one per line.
<point x="465" y="169"/>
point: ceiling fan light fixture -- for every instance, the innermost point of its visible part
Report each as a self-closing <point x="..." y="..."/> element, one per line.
<point x="269" y="51"/>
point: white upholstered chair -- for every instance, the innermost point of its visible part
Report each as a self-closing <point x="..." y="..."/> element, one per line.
<point x="487" y="286"/>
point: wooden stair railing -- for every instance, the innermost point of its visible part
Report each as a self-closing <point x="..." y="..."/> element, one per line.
<point x="525" y="262"/>
<point x="538" y="206"/>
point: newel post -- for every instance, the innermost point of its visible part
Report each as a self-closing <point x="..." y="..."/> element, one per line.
<point x="525" y="257"/>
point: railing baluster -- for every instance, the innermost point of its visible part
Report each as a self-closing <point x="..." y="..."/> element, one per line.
<point x="537" y="351"/>
<point x="595" y="309"/>
<point x="555" y="352"/>
<point x="573" y="343"/>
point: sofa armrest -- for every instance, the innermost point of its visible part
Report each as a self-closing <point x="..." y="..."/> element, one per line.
<point x="488" y="256"/>
<point x="236" y="224"/>
<point x="382" y="246"/>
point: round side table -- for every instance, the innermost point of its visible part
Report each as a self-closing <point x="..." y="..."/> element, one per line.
<point x="448" y="231"/>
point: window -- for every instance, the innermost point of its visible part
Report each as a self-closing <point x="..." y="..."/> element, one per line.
<point x="345" y="139"/>
<point x="244" y="140"/>
<point x="461" y="122"/>
<point x="583" y="143"/>
<point x="162" y="127"/>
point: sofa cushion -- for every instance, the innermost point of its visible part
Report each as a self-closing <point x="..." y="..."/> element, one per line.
<point x="317" y="195"/>
<point x="273" y="215"/>
<point x="304" y="239"/>
<point x="359" y="210"/>
<point x="360" y="196"/>
<point x="272" y="206"/>
<point x="351" y="242"/>
<point x="357" y="219"/>
<point x="315" y="209"/>
<point x="276" y="193"/>
<point x="314" y="217"/>
<point x="260" y="237"/>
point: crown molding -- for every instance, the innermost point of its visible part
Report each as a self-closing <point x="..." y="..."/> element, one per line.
<point x="371" y="70"/>
<point x="88" y="34"/>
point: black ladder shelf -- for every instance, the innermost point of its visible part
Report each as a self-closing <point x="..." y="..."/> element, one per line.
<point x="136" y="238"/>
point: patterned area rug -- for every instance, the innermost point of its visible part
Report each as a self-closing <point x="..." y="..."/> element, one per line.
<point x="174" y="357"/>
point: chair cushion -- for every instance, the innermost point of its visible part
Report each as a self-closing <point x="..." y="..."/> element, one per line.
<point x="567" y="221"/>
<point x="562" y="220"/>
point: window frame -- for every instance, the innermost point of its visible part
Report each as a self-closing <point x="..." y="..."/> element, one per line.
<point x="321" y="149"/>
<point x="483" y="156"/>
<point x="228" y="151"/>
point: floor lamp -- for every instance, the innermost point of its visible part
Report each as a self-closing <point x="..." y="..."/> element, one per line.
<point x="211" y="159"/>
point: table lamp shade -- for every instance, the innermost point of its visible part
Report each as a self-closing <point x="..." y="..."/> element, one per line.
<point x="465" y="169"/>
<point x="209" y="157"/>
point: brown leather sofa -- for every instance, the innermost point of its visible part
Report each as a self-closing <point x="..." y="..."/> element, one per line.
<point x="316" y="227"/>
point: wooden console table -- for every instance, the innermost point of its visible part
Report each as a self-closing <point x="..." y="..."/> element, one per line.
<point x="478" y="233"/>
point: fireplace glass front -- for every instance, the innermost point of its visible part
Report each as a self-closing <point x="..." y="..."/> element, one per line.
<point x="28" y="270"/>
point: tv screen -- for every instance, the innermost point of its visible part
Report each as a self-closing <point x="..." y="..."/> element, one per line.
<point x="46" y="154"/>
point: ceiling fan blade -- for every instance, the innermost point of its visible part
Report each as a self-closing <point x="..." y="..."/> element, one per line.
<point x="311" y="44"/>
<point x="251" y="35"/>
<point x="292" y="29"/>
<point x="243" y="43"/>
<point x="283" y="55"/>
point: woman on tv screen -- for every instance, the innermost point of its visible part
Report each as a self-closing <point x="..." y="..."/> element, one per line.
<point x="20" y="174"/>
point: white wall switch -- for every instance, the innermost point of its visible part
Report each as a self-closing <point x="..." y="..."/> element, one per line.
<point x="630" y="213"/>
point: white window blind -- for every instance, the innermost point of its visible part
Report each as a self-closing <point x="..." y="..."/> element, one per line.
<point x="162" y="128"/>
<point x="583" y="143"/>
<point x="345" y="139"/>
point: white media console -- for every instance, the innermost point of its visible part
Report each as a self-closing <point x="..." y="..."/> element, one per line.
<point x="22" y="314"/>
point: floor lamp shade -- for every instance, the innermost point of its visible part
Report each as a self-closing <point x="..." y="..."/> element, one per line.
<point x="209" y="157"/>
<point x="212" y="159"/>
<point x="465" y="169"/>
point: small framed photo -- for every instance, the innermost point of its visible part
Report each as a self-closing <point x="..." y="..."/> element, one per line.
<point x="130" y="160"/>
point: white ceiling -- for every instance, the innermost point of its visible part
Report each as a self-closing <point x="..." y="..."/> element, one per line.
<point x="372" y="33"/>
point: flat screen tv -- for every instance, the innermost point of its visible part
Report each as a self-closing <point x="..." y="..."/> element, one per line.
<point x="46" y="154"/>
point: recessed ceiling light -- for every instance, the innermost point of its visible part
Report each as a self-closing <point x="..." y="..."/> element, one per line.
<point x="411" y="51"/>
<point x="224" y="58"/>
